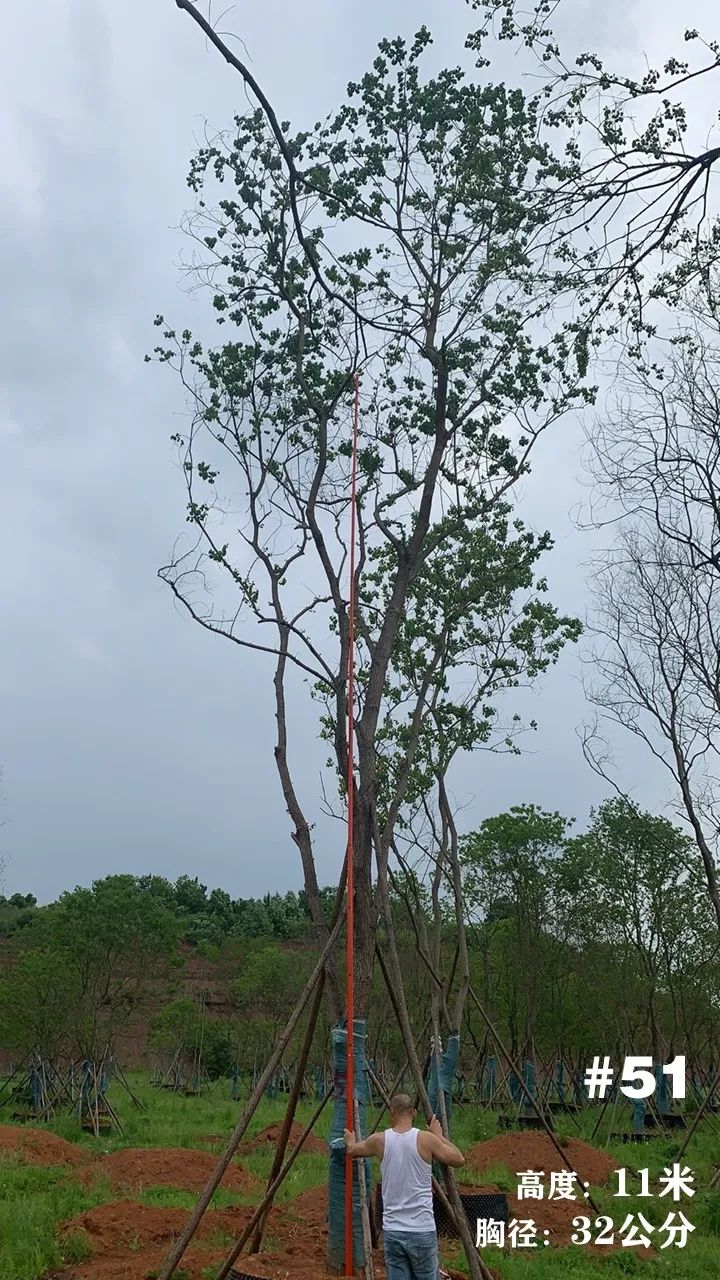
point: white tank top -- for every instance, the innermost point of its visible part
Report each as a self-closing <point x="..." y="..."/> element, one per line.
<point x="406" y="1184"/>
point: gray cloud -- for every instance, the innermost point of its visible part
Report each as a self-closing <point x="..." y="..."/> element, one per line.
<point x="131" y="740"/>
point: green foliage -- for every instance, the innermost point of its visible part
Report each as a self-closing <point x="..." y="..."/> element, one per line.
<point x="33" y="1205"/>
<point x="84" y="966"/>
<point x="176" y="1026"/>
<point x="38" y="997"/>
<point x="184" y="1025"/>
<point x="270" y="980"/>
<point x="511" y="877"/>
<point x="411" y="230"/>
<point x="549" y="910"/>
<point x="203" y="917"/>
<point x="471" y="634"/>
<point x="552" y="911"/>
<point x="645" y="904"/>
<point x="16" y="912"/>
<point x="208" y="918"/>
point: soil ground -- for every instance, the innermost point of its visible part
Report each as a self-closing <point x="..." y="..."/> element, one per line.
<point x="111" y="1208"/>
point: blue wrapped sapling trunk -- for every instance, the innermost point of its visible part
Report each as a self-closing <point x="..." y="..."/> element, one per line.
<point x="361" y="1168"/>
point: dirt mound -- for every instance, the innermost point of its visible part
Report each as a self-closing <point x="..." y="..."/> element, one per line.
<point x="521" y="1151"/>
<point x="125" y="1224"/>
<point x="180" y="1167"/>
<point x="143" y="1263"/>
<point x="37" y="1146"/>
<point x="130" y="1241"/>
<point x="305" y="1213"/>
<point x="270" y="1136"/>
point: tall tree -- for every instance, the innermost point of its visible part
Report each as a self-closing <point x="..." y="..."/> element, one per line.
<point x="412" y="249"/>
<point x="655" y="667"/>
<point x="426" y="237"/>
<point x="114" y="939"/>
<point x="648" y="899"/>
<point x="511" y="873"/>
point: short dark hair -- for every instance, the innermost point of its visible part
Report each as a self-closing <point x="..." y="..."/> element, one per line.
<point x="401" y="1103"/>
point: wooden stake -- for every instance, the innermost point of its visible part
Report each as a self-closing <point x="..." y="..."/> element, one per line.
<point x="563" y="1155"/>
<point x="364" y="1211"/>
<point x="271" y="1191"/>
<point x="292" y="1103"/>
<point x="178" y="1251"/>
<point x="701" y="1112"/>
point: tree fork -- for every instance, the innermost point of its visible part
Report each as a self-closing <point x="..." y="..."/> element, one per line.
<point x="396" y="1084"/>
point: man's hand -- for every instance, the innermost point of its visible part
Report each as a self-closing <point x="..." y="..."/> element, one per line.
<point x="374" y="1145"/>
<point x="435" y="1127"/>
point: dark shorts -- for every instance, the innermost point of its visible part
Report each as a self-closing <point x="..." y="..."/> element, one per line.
<point x="411" y="1255"/>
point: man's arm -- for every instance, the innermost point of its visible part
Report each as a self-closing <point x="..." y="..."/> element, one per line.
<point x="372" y="1146"/>
<point x="441" y="1148"/>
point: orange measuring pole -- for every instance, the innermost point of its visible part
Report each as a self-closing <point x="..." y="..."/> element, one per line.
<point x="350" y="956"/>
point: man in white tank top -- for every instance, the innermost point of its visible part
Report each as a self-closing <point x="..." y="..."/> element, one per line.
<point x="406" y="1153"/>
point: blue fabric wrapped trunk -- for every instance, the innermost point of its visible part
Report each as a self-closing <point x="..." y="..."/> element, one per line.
<point x="336" y="1172"/>
<point x="443" y="1079"/>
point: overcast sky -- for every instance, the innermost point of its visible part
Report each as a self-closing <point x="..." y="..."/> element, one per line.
<point x="129" y="739"/>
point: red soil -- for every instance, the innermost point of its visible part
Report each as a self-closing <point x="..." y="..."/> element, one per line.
<point x="270" y="1136"/>
<point x="301" y="1215"/>
<point x="36" y="1146"/>
<point x="142" y="1264"/>
<point x="130" y="1241"/>
<point x="521" y="1151"/>
<point x="180" y="1167"/>
<point x="124" y="1224"/>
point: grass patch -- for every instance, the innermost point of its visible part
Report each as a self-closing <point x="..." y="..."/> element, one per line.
<point x="174" y="1198"/>
<point x="179" y="1275"/>
<point x="20" y="1179"/>
<point x="307" y="1172"/>
<point x="35" y="1201"/>
<point x="220" y="1240"/>
<point x="496" y="1175"/>
<point x="76" y="1246"/>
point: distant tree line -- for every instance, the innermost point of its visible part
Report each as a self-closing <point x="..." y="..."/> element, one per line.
<point x="204" y="916"/>
<point x="591" y="942"/>
<point x="15" y="912"/>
